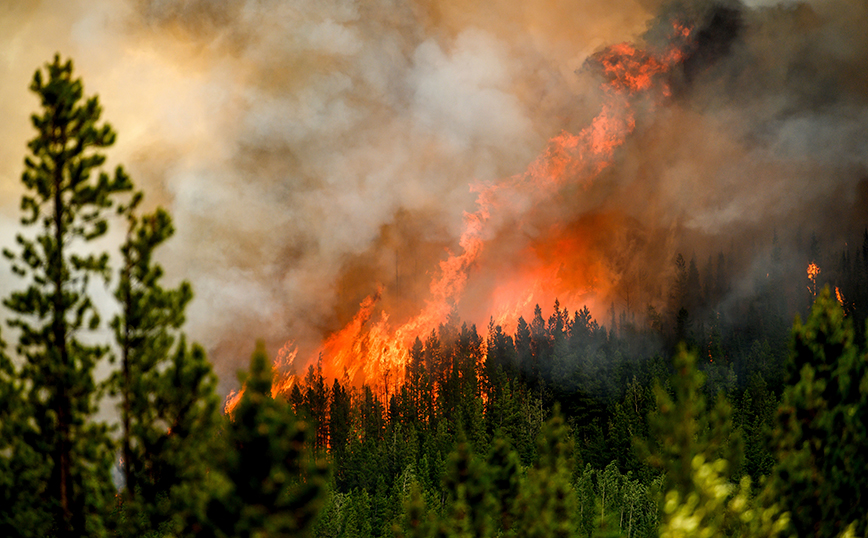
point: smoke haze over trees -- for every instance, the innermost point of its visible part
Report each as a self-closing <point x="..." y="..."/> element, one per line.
<point x="311" y="153"/>
<point x="693" y="418"/>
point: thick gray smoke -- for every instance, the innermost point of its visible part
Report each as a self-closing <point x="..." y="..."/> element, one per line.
<point x="311" y="150"/>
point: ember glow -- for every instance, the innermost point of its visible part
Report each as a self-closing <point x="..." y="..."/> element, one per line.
<point x="813" y="272"/>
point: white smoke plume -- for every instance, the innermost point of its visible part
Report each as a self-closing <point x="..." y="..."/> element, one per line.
<point x="310" y="151"/>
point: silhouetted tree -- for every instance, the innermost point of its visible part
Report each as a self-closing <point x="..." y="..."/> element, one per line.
<point x="67" y="205"/>
<point x="273" y="488"/>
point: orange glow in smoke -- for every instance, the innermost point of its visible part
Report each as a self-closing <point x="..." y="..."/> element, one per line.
<point x="813" y="271"/>
<point x="369" y="349"/>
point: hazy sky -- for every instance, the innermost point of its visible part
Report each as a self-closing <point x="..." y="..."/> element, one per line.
<point x="311" y="150"/>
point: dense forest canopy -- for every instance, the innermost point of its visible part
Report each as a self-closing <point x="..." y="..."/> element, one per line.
<point x="315" y="153"/>
<point x="647" y="319"/>
<point x="691" y="423"/>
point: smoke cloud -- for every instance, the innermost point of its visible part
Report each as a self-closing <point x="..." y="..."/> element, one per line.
<point x="311" y="151"/>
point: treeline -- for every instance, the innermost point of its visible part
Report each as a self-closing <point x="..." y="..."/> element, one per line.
<point x="484" y="438"/>
<point x="687" y="423"/>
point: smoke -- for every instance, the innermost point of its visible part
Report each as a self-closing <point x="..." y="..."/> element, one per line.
<point x="310" y="151"/>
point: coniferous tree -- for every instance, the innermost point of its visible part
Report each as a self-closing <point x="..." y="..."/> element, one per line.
<point x="698" y="451"/>
<point x="273" y="487"/>
<point x="523" y="349"/>
<point x="547" y="505"/>
<point x="822" y="440"/>
<point x="505" y="472"/>
<point x="169" y="410"/>
<point x="467" y="483"/>
<point x="339" y="419"/>
<point x="67" y="206"/>
<point x="23" y="471"/>
<point x="586" y="501"/>
<point x="316" y="401"/>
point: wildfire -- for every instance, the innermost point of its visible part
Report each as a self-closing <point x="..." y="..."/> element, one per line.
<point x="281" y="374"/>
<point x="370" y="349"/>
<point x="813" y="271"/>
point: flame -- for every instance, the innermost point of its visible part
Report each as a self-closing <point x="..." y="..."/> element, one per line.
<point x="369" y="349"/>
<point x="813" y="271"/>
<point x="282" y="378"/>
<point x="281" y="370"/>
<point x="232" y="400"/>
<point x="839" y="295"/>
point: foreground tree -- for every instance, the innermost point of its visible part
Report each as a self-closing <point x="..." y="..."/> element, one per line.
<point x="66" y="204"/>
<point x="169" y="408"/>
<point x="273" y="486"/>
<point x="698" y="450"/>
<point x="822" y="435"/>
<point x="546" y="505"/>
<point x="23" y="471"/>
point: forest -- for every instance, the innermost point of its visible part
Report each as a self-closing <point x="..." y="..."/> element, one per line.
<point x="692" y="420"/>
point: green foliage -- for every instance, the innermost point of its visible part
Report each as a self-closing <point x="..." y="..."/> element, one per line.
<point x="416" y="523"/>
<point x="822" y="435"/>
<point x="274" y="486"/>
<point x="696" y="452"/>
<point x="345" y="515"/>
<point x="23" y="470"/>
<point x="172" y="447"/>
<point x="468" y="485"/>
<point x="713" y="507"/>
<point x="682" y="428"/>
<point x="169" y="408"/>
<point x="506" y="480"/>
<point x="586" y="501"/>
<point x="546" y="505"/>
<point x="67" y="206"/>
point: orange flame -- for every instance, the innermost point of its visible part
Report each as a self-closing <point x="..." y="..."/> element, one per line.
<point x="813" y="271"/>
<point x="281" y="370"/>
<point x="373" y="351"/>
<point x="232" y="400"/>
<point x="282" y="378"/>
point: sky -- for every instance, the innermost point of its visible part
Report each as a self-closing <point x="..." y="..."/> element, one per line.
<point x="312" y="152"/>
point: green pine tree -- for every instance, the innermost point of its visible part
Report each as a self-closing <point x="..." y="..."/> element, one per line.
<point x="169" y="408"/>
<point x="467" y="484"/>
<point x="23" y="471"/>
<point x="546" y="505"/>
<point x="698" y="450"/>
<point x="66" y="205"/>
<point x="822" y="438"/>
<point x="274" y="487"/>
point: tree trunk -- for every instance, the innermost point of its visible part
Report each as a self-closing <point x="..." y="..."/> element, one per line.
<point x="62" y="476"/>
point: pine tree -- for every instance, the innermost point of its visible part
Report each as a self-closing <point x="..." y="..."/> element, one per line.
<point x="822" y="439"/>
<point x="274" y="486"/>
<point x="547" y="504"/>
<point x="471" y="503"/>
<point x="23" y="471"/>
<point x="169" y="408"/>
<point x="505" y="469"/>
<point x="698" y="450"/>
<point x="67" y="205"/>
<point x="586" y="501"/>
